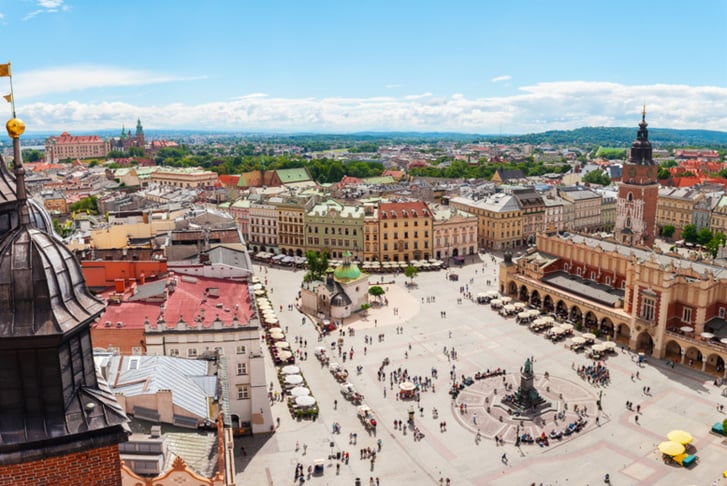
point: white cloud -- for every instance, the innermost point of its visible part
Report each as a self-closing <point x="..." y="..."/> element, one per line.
<point x="76" y="78"/>
<point x="47" y="6"/>
<point x="536" y="108"/>
<point x="500" y="79"/>
<point x="50" y="3"/>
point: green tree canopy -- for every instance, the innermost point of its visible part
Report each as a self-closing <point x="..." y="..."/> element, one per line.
<point x="704" y="236"/>
<point x="667" y="231"/>
<point x="410" y="272"/>
<point x="317" y="265"/>
<point x="376" y="291"/>
<point x="597" y="177"/>
<point x="689" y="234"/>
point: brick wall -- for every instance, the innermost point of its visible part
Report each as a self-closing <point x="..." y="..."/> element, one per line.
<point x="95" y="467"/>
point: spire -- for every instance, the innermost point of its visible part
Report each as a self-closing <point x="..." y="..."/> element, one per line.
<point x="16" y="127"/>
<point x="643" y="114"/>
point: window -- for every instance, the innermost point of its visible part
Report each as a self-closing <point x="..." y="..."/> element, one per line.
<point x="192" y="353"/>
<point x="721" y="312"/>
<point x="647" y="308"/>
<point x="241" y="349"/>
<point x="608" y="280"/>
<point x="593" y="275"/>
<point x="134" y="364"/>
<point x="174" y="352"/>
<point x="243" y="392"/>
<point x="241" y="368"/>
<point x="687" y="314"/>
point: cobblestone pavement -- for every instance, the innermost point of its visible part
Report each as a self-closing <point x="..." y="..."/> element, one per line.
<point x="679" y="399"/>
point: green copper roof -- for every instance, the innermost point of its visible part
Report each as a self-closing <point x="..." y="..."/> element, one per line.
<point x="347" y="272"/>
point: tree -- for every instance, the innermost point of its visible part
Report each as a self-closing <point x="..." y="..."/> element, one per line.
<point x="86" y="204"/>
<point x="410" y="272"/>
<point x="689" y="234"/>
<point x="717" y="241"/>
<point x="317" y="265"/>
<point x="667" y="231"/>
<point x="704" y="236"/>
<point x="597" y="177"/>
<point x="376" y="291"/>
<point x="663" y="174"/>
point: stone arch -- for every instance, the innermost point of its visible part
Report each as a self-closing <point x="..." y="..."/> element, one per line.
<point x="623" y="333"/>
<point x="576" y="314"/>
<point x="673" y="351"/>
<point x="590" y="320"/>
<point x="548" y="305"/>
<point x="299" y="252"/>
<point x="715" y="364"/>
<point x="535" y="299"/>
<point x="644" y="343"/>
<point x="693" y="357"/>
<point x="561" y="309"/>
<point x="512" y="288"/>
<point x="523" y="294"/>
<point x="606" y="326"/>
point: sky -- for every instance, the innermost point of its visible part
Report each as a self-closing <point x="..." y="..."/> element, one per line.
<point x="340" y="66"/>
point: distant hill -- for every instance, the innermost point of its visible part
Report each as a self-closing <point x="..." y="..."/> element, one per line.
<point x="587" y="136"/>
<point x="618" y="137"/>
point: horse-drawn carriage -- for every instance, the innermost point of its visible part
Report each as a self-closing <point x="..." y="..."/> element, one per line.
<point x="366" y="417"/>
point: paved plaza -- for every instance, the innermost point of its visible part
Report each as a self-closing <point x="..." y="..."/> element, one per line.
<point x="618" y="444"/>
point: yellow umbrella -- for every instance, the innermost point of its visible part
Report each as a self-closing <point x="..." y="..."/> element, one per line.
<point x="671" y="448"/>
<point x="680" y="436"/>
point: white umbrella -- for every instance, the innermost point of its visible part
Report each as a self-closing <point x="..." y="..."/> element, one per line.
<point x="567" y="327"/>
<point x="305" y="401"/>
<point x="299" y="391"/>
<point x="407" y="386"/>
<point x="589" y="336"/>
<point x="286" y="355"/>
<point x="723" y="340"/>
<point x="599" y="348"/>
<point x="519" y="305"/>
<point x="290" y="370"/>
<point x="578" y="340"/>
<point x="274" y="330"/>
<point x="260" y="292"/>
<point x="257" y="286"/>
<point x="282" y="344"/>
<point x="707" y="335"/>
<point x="293" y="379"/>
<point x="523" y="315"/>
<point x="278" y="336"/>
<point x="686" y="329"/>
<point x="506" y="300"/>
<point x="610" y="345"/>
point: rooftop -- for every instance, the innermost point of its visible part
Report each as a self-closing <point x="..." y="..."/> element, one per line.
<point x="195" y="300"/>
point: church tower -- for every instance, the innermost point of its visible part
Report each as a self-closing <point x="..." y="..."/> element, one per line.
<point x="139" y="136"/>
<point x="59" y="423"/>
<point x="638" y="193"/>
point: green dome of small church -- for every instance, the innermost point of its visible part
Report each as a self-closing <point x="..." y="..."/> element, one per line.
<point x="348" y="270"/>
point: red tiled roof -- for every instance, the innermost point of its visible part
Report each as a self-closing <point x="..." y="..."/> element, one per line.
<point x="229" y="180"/>
<point x="187" y="301"/>
<point x="66" y="137"/>
<point x="404" y="209"/>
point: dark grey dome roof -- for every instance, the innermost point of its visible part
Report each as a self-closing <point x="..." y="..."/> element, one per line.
<point x="340" y="300"/>
<point x="42" y="289"/>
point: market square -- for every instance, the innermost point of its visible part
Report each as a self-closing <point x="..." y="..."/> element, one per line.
<point x="432" y="331"/>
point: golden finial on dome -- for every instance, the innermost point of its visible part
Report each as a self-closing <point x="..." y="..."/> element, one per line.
<point x="15" y="127"/>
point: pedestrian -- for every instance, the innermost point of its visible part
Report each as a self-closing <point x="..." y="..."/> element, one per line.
<point x="335" y="404"/>
<point x="636" y="419"/>
<point x="338" y="468"/>
<point x="305" y="449"/>
<point x="243" y="452"/>
<point x="504" y="458"/>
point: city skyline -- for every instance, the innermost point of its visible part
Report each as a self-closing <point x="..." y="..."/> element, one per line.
<point x="328" y="67"/>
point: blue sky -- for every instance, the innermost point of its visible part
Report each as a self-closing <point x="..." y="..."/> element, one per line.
<point x="342" y="66"/>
